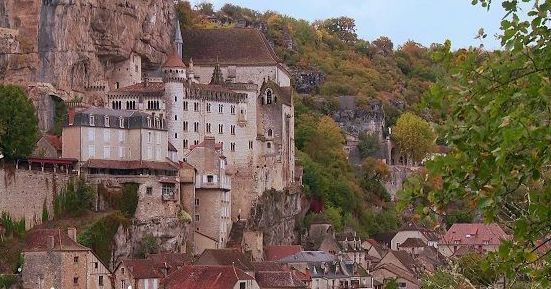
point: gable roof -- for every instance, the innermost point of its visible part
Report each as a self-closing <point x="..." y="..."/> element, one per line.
<point x="413" y="243"/>
<point x="143" y="269"/>
<point x="37" y="241"/>
<point x="267" y="266"/>
<point x="174" y="61"/>
<point x="474" y="234"/>
<point x="226" y="257"/>
<point x="278" y="279"/>
<point x="54" y="140"/>
<point x="309" y="257"/>
<point x="398" y="272"/>
<point x="201" y="277"/>
<point x="274" y="253"/>
<point x="229" y="46"/>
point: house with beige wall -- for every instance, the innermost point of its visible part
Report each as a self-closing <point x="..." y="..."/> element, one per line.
<point x="53" y="259"/>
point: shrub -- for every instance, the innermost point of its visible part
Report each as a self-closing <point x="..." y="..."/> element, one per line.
<point x="74" y="199"/>
<point x="148" y="245"/>
<point x="13" y="228"/>
<point x="99" y="236"/>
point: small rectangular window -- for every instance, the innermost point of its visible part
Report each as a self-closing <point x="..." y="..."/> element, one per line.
<point x="197" y="202"/>
<point x="250" y="145"/>
<point x="232" y="109"/>
<point x="220" y="128"/>
<point x="185" y="105"/>
<point x="185" y="143"/>
<point x="232" y="129"/>
<point x="148" y="191"/>
<point x="208" y="127"/>
<point x="185" y="125"/>
<point x="195" y="106"/>
<point x="196" y="127"/>
<point x="208" y="107"/>
<point x="220" y="108"/>
<point x="75" y="281"/>
<point x="196" y="218"/>
<point x="100" y="280"/>
<point x="92" y="120"/>
<point x="75" y="259"/>
<point x="232" y="147"/>
<point x="96" y="265"/>
<point x="210" y="178"/>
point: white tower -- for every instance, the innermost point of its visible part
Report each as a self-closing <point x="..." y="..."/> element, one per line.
<point x="174" y="76"/>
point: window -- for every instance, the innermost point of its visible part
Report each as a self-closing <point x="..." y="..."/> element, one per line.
<point x="106" y="135"/>
<point x="100" y="280"/>
<point x="149" y="191"/>
<point x="121" y="152"/>
<point x="196" y="106"/>
<point x="232" y="109"/>
<point x="91" y="151"/>
<point x="195" y="142"/>
<point x="185" y="125"/>
<point x="117" y="85"/>
<point x="232" y="128"/>
<point x="185" y="105"/>
<point x="149" y="137"/>
<point x="220" y="108"/>
<point x="208" y="107"/>
<point x="121" y="122"/>
<point x="208" y="127"/>
<point x="75" y="280"/>
<point x="197" y="202"/>
<point x="75" y="259"/>
<point x="92" y="120"/>
<point x="196" y="218"/>
<point x="269" y="145"/>
<point x="175" y="135"/>
<point x="196" y="127"/>
<point x="96" y="265"/>
<point x="242" y="285"/>
<point x="232" y="146"/>
<point x="210" y="178"/>
<point x="168" y="190"/>
<point x="106" y="120"/>
<point x="220" y="128"/>
<point x="185" y="144"/>
<point x="106" y="152"/>
<point x="121" y="136"/>
<point x="269" y="96"/>
<point x="175" y="99"/>
<point x="148" y="122"/>
<point x="175" y="117"/>
<point x="250" y="145"/>
<point x="270" y="133"/>
<point x="402" y="285"/>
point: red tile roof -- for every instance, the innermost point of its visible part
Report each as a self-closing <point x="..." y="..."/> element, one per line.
<point x="129" y="165"/>
<point x="278" y="279"/>
<point x="55" y="141"/>
<point x="275" y="253"/>
<point x="226" y="257"/>
<point x="413" y="243"/>
<point x="474" y="234"/>
<point x="267" y="266"/>
<point x="37" y="241"/>
<point x="234" y="46"/>
<point x="174" y="61"/>
<point x="202" y="277"/>
<point x="143" y="269"/>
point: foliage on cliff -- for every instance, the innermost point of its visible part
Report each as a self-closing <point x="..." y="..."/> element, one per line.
<point x="18" y="123"/>
<point x="495" y="112"/>
<point x="73" y="200"/>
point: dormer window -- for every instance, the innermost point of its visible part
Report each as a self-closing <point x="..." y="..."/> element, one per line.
<point x="269" y="96"/>
<point x="92" y="120"/>
<point x="106" y="121"/>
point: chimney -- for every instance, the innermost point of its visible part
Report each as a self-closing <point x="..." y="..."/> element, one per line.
<point x="51" y="243"/>
<point x="210" y="142"/>
<point x="72" y="232"/>
<point x="71" y="115"/>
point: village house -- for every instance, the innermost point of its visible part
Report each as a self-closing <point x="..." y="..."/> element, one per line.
<point x="209" y="276"/>
<point x="463" y="238"/>
<point x="374" y="252"/>
<point x="278" y="252"/>
<point x="416" y="233"/>
<point x="48" y="146"/>
<point x="148" y="273"/>
<point x="226" y="257"/>
<point x="54" y="259"/>
<point x="399" y="266"/>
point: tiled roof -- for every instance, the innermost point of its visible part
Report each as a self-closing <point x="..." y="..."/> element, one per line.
<point x="54" y="140"/>
<point x="227" y="257"/>
<point x="37" y="241"/>
<point x="234" y="46"/>
<point x="129" y="165"/>
<point x="377" y="246"/>
<point x="474" y="234"/>
<point x="142" y="87"/>
<point x="274" y="253"/>
<point x="143" y="269"/>
<point x="109" y="112"/>
<point x="406" y="259"/>
<point x="268" y="266"/>
<point x="413" y="243"/>
<point x="278" y="279"/>
<point x="173" y="259"/>
<point x="202" y="277"/>
<point x="431" y="235"/>
<point x="174" y="61"/>
<point x="398" y="272"/>
<point x="309" y="257"/>
<point x="384" y="238"/>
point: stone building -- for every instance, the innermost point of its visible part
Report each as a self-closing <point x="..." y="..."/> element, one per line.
<point x="212" y="277"/>
<point x="463" y="238"/>
<point x="212" y="213"/>
<point x="53" y="259"/>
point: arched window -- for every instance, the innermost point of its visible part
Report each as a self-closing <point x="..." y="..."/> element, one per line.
<point x="269" y="145"/>
<point x="117" y="85"/>
<point x="269" y="96"/>
<point x="270" y="133"/>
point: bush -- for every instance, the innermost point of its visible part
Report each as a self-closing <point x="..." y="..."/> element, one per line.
<point x="129" y="199"/>
<point x="7" y="280"/>
<point x="74" y="199"/>
<point x="99" y="236"/>
<point x="369" y="145"/>
<point x="148" y="245"/>
<point x="13" y="228"/>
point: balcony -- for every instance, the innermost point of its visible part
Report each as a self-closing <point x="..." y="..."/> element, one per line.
<point x="212" y="182"/>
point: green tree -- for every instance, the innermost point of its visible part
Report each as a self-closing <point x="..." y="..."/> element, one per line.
<point x="496" y="117"/>
<point x="369" y="145"/>
<point x="414" y="136"/>
<point x="18" y="116"/>
<point x="391" y="284"/>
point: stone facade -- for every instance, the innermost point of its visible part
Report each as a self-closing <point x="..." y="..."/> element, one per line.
<point x="15" y="186"/>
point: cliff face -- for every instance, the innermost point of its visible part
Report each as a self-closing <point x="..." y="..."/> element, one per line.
<point x="74" y="43"/>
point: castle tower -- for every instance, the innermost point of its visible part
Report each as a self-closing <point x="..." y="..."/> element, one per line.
<point x="174" y="76"/>
<point x="178" y="40"/>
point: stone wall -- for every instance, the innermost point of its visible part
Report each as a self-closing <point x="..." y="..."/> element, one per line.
<point x="23" y="193"/>
<point x="398" y="175"/>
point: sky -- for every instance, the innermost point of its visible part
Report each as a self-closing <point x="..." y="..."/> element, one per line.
<point x="424" y="21"/>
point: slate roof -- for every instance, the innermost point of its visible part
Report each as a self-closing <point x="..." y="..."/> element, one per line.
<point x="201" y="277"/>
<point x="278" y="279"/>
<point x="150" y="87"/>
<point x="233" y="46"/>
<point x="474" y="234"/>
<point x="37" y="241"/>
<point x="274" y="253"/>
<point x="309" y="257"/>
<point x="337" y="270"/>
<point x="226" y="257"/>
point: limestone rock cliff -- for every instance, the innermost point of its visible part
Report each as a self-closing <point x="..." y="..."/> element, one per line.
<point x="73" y="44"/>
